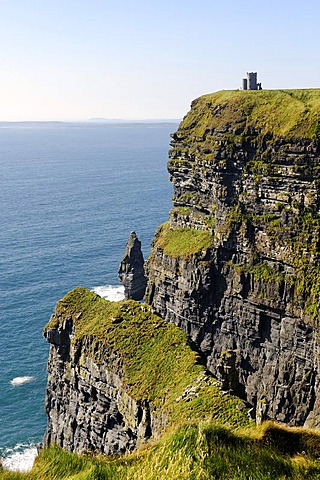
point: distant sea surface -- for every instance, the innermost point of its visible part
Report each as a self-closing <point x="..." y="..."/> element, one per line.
<point x="69" y="197"/>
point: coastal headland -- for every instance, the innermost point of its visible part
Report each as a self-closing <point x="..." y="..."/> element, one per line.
<point x="216" y="375"/>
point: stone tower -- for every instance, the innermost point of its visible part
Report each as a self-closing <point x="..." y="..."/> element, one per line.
<point x="250" y="83"/>
<point x="244" y="84"/>
<point x="252" y="80"/>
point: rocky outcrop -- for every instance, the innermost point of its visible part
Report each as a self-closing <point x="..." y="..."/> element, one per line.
<point x="118" y="375"/>
<point x="131" y="269"/>
<point x="245" y="167"/>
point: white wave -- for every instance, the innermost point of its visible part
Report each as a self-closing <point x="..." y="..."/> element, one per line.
<point x="21" y="380"/>
<point x="114" y="293"/>
<point x="20" y="458"/>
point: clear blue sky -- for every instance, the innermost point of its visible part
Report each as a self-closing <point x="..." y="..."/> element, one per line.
<point x="77" y="59"/>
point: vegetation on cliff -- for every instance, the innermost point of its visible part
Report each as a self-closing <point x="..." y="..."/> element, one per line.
<point x="210" y="435"/>
<point x="182" y="242"/>
<point x="157" y="361"/>
<point x="245" y="168"/>
<point x="281" y="113"/>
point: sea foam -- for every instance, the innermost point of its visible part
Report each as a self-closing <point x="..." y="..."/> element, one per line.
<point x="114" y="293"/>
<point x="21" y="380"/>
<point x="20" y="458"/>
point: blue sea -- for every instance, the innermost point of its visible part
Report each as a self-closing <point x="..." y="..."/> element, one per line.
<point x="69" y="197"/>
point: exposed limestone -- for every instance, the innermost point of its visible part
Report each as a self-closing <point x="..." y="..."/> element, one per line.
<point x="131" y="269"/>
<point x="250" y="302"/>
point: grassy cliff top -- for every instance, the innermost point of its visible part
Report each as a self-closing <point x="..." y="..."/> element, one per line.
<point x="282" y="113"/>
<point x="182" y="242"/>
<point x="156" y="358"/>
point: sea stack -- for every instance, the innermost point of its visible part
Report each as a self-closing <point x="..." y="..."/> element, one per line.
<point x="131" y="269"/>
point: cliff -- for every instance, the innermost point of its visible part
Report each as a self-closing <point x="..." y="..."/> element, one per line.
<point x="237" y="269"/>
<point x="118" y="375"/>
<point x="237" y="265"/>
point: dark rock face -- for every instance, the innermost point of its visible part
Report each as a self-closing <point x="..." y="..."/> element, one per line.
<point x="246" y="301"/>
<point x="86" y="404"/>
<point x="131" y="269"/>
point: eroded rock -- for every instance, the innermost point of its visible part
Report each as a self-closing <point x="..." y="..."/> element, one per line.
<point x="131" y="270"/>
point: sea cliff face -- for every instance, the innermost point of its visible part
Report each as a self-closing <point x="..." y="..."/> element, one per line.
<point x="87" y="405"/>
<point x="237" y="266"/>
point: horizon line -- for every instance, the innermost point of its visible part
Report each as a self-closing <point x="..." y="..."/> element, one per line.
<point x="99" y="120"/>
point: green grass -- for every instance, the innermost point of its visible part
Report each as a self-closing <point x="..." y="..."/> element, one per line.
<point x="182" y="242"/>
<point x="281" y="113"/>
<point x="197" y="450"/>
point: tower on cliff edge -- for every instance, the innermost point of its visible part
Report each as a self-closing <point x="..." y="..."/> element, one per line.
<point x="250" y="83"/>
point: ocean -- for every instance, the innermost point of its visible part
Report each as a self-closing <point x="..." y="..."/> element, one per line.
<point x="69" y="197"/>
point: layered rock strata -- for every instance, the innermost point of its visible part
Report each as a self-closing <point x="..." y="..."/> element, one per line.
<point x="237" y="266"/>
<point x="131" y="269"/>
